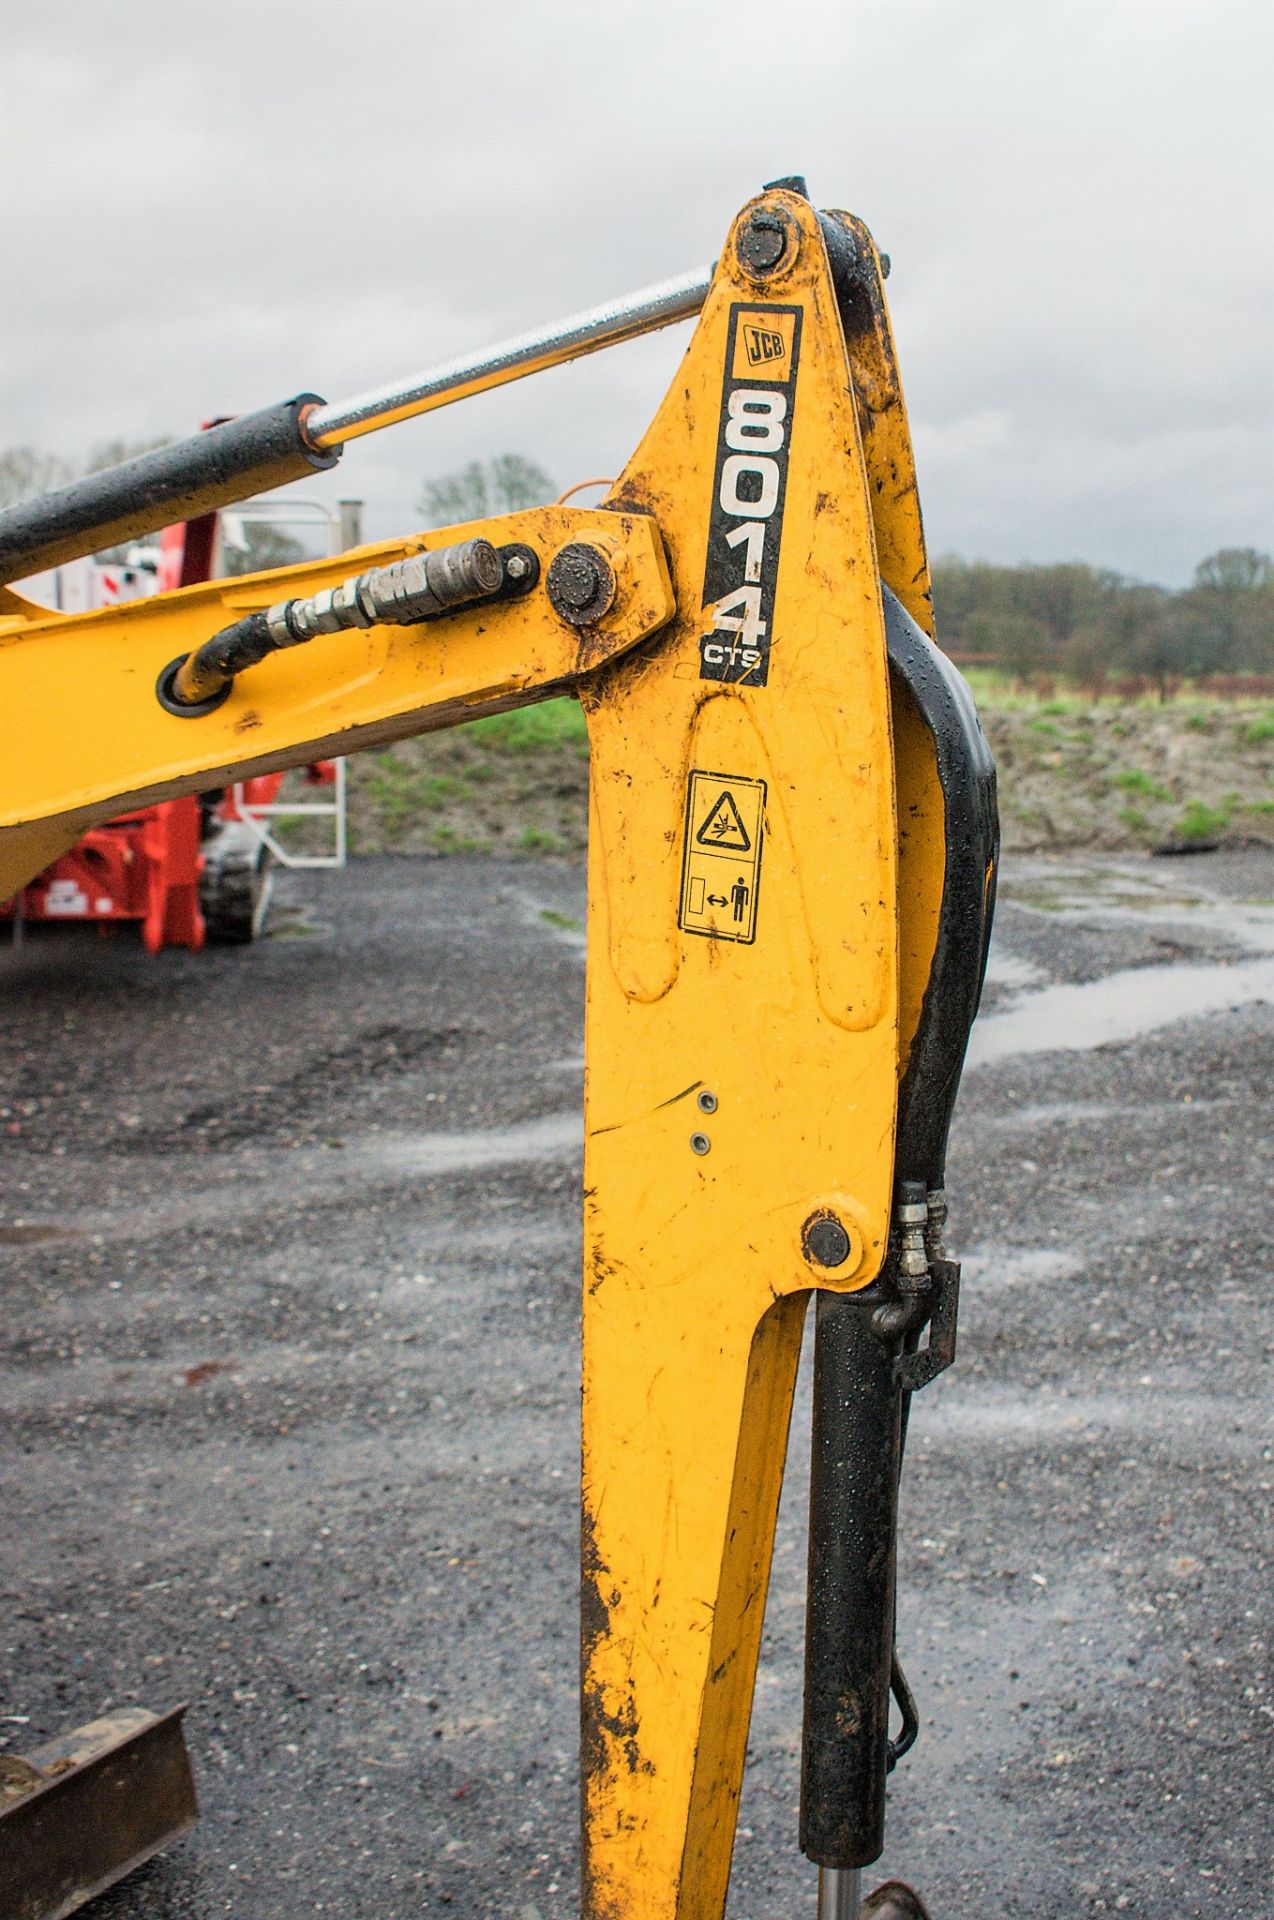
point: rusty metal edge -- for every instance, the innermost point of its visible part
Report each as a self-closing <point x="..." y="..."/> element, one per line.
<point x="155" y="1733"/>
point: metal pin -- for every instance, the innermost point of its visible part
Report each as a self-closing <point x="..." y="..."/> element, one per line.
<point x="839" y="1893"/>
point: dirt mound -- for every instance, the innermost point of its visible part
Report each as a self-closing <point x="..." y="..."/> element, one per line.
<point x="1111" y="776"/>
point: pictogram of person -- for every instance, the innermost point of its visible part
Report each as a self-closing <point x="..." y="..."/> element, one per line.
<point x="740" y="894"/>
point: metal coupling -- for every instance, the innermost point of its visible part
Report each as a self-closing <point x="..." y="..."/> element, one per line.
<point x="411" y="590"/>
<point x="912" y="1217"/>
<point x="936" y="1229"/>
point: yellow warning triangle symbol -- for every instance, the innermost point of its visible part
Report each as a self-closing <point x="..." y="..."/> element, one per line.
<point x="724" y="827"/>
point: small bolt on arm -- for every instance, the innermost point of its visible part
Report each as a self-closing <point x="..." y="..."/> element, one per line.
<point x="420" y="588"/>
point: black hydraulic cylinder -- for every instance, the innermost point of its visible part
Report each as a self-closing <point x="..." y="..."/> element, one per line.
<point x="849" y="1622"/>
<point x="249" y="455"/>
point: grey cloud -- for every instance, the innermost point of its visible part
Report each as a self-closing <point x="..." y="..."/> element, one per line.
<point x="212" y="206"/>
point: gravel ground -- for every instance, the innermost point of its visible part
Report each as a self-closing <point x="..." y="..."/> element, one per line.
<point x="288" y="1263"/>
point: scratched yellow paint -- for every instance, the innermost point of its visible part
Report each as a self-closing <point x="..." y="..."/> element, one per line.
<point x="904" y="566"/>
<point x="695" y="1280"/>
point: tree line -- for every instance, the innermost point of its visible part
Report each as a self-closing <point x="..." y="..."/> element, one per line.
<point x="1096" y="626"/>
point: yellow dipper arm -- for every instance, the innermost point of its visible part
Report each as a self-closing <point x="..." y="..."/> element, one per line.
<point x="742" y="1044"/>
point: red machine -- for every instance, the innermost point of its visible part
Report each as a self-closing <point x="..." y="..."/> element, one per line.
<point x="189" y="870"/>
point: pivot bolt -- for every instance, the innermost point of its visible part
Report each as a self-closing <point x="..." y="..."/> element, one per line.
<point x="763" y="242"/>
<point x="580" y="584"/>
<point x="824" y="1241"/>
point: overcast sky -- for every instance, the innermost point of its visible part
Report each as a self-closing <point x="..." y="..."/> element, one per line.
<point x="209" y="206"/>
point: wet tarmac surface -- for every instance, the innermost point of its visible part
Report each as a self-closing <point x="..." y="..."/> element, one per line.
<point x="288" y="1356"/>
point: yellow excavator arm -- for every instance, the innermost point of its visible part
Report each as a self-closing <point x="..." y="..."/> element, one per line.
<point x="791" y="871"/>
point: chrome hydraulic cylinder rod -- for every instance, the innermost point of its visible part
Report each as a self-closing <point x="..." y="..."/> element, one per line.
<point x="286" y="443"/>
<point x="839" y="1893"/>
<point x="335" y="422"/>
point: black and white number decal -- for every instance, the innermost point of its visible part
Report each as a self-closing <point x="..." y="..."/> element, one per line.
<point x="746" y="521"/>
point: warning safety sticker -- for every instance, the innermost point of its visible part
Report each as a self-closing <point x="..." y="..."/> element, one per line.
<point x="721" y="866"/>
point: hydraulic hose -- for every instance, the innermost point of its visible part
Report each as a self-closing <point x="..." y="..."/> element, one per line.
<point x="419" y="588"/>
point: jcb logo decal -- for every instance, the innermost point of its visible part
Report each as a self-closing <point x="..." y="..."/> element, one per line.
<point x="745" y="529"/>
<point x="763" y="345"/>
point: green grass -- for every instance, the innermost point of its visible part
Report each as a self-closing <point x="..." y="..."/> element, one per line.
<point x="1133" y="780"/>
<point x="400" y="793"/>
<point x="556" y="722"/>
<point x="1003" y="692"/>
<point x="1133" y="817"/>
<point x="551" y="918"/>
<point x="535" y="840"/>
<point x="1258" y="731"/>
<point x="1201" y="822"/>
<point x="447" y="840"/>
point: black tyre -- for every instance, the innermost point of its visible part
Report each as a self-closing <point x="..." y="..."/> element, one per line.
<point x="235" y="886"/>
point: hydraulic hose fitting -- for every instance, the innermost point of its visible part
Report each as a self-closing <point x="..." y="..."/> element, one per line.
<point x="408" y="591"/>
<point x="936" y="1230"/>
<point x="419" y="588"/>
<point x="912" y="1216"/>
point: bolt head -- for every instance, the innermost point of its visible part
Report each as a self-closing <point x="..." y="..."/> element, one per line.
<point x="707" y="1102"/>
<point x="517" y="567"/>
<point x="580" y="584"/>
<point x="825" y="1242"/>
<point x="700" y="1143"/>
<point x="576" y="581"/>
<point x="763" y="241"/>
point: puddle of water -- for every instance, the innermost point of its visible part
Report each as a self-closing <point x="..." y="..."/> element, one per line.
<point x="286" y="922"/>
<point x="1012" y="970"/>
<point x="1123" y="1006"/>
<point x="994" y="1269"/>
<point x="1064" y="1113"/>
<point x="1053" y="1113"/>
<point x="1145" y="1409"/>
<point x="553" y="1137"/>
<point x="1057" y="887"/>
<point x="1113" y="895"/>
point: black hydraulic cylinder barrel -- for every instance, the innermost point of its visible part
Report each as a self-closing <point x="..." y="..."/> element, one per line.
<point x="249" y="455"/>
<point x="849" y="1622"/>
